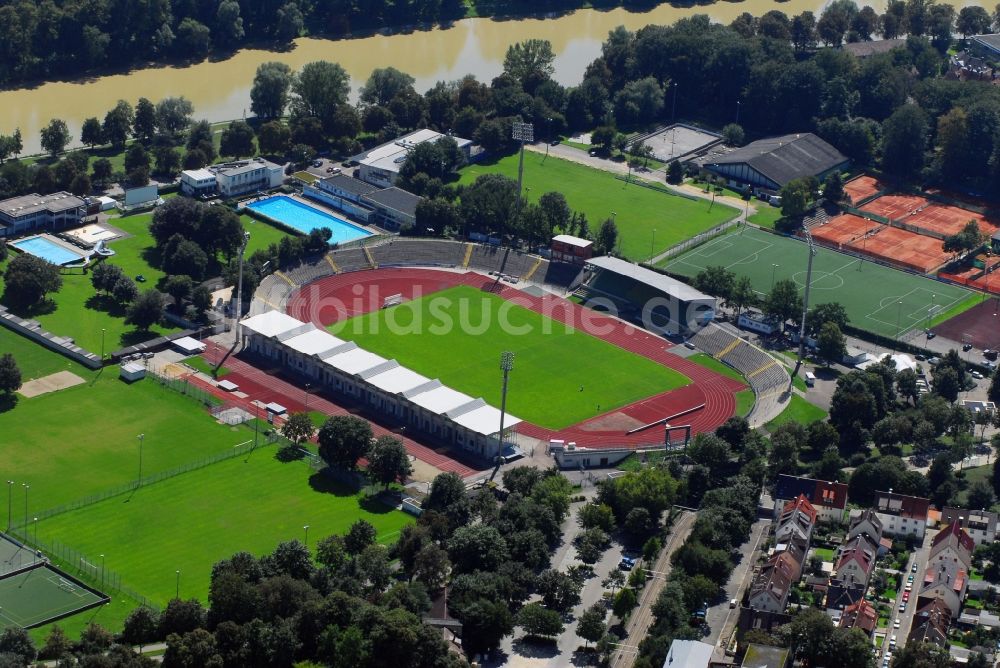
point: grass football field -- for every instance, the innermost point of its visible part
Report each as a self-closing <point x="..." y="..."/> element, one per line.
<point x="188" y="522"/>
<point x="649" y="220"/>
<point x="877" y="298"/>
<point x="552" y="362"/>
<point x="798" y="410"/>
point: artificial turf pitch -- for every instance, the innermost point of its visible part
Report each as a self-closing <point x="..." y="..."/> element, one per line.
<point x="34" y="596"/>
<point x="877" y="298"/>
<point x="193" y="520"/>
<point x="649" y="219"/>
<point x="560" y="377"/>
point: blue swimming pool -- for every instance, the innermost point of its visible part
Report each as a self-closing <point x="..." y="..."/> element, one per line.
<point x="305" y="218"/>
<point x="47" y="250"/>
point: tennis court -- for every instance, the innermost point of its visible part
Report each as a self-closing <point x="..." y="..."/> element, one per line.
<point x="863" y="187"/>
<point x="877" y="298"/>
<point x="41" y="595"/>
<point x="906" y="249"/>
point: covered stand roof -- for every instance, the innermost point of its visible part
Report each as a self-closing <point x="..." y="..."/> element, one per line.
<point x="664" y="284"/>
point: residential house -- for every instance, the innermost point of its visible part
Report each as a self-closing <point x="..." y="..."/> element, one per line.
<point x="796" y="547"/>
<point x="856" y="560"/>
<point x="930" y="622"/>
<point x="828" y="498"/>
<point x="765" y="656"/>
<point x="861" y="615"/>
<point x="797" y="517"/>
<point x="948" y="581"/>
<point x="952" y="544"/>
<point x="840" y="594"/>
<point x="901" y="514"/>
<point x="769" y="590"/>
<point x="866" y="524"/>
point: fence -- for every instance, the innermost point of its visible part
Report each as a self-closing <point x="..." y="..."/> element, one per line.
<point x="697" y="240"/>
<point x="185" y="387"/>
<point x="665" y="191"/>
<point x="866" y="214"/>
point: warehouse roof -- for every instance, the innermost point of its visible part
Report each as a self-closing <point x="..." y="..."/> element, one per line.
<point x="788" y="157"/>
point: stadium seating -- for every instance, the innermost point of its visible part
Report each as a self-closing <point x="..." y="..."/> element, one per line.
<point x="559" y="273"/>
<point x="350" y="259"/>
<point x="759" y="368"/>
<point x="310" y="270"/>
<point x="420" y="252"/>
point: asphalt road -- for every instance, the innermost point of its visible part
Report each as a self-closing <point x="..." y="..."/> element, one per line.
<point x="906" y="618"/>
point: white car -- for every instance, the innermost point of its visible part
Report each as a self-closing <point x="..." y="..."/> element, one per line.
<point x="895" y="624"/>
<point x="902" y="607"/>
<point x="892" y="642"/>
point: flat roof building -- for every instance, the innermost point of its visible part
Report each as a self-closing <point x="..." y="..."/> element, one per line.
<point x="34" y="212"/>
<point x="231" y="179"/>
<point x="380" y="166"/>
<point x="570" y="249"/>
<point x="772" y="163"/>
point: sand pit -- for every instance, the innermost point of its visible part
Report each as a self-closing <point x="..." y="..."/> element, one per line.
<point x="51" y="383"/>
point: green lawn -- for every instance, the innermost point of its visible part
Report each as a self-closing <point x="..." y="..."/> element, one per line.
<point x="561" y="376"/>
<point x="745" y="400"/>
<point x="649" y="220"/>
<point x="83" y="440"/>
<point x="766" y="215"/>
<point x="824" y="553"/>
<point x="189" y="522"/>
<point x="35" y="360"/>
<point x="871" y="293"/>
<point x="798" y="410"/>
<point x="199" y="363"/>
<point x="709" y="362"/>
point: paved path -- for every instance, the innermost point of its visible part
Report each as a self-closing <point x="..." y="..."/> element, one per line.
<point x="642" y="617"/>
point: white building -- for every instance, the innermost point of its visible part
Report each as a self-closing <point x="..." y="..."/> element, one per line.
<point x="393" y="390"/>
<point x="380" y="166"/>
<point x="231" y="179"/>
<point x="689" y="654"/>
<point x="34" y="212"/>
<point x="901" y="514"/>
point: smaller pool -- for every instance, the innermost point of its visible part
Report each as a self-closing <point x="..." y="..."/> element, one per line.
<point x="48" y="250"/>
<point x="305" y="218"/>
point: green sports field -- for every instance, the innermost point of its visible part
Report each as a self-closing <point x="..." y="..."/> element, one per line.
<point x="552" y="361"/>
<point x="649" y="220"/>
<point x="189" y="522"/>
<point x="35" y="596"/>
<point x="878" y="299"/>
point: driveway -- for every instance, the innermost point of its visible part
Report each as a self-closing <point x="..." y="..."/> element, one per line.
<point x="906" y="618"/>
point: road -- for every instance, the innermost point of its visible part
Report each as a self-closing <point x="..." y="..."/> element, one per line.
<point x="906" y="618"/>
<point x="642" y="617"/>
<point x="721" y="618"/>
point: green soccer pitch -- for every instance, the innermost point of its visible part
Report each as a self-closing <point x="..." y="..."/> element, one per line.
<point x="877" y="298"/>
<point x="649" y="220"/>
<point x="189" y="522"/>
<point x="561" y="376"/>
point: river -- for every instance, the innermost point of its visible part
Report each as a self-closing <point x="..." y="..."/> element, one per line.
<point x="220" y="90"/>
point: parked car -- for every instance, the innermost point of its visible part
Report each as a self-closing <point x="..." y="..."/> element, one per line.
<point x="990" y="354"/>
<point x="317" y="163"/>
<point x="933" y="360"/>
<point x="902" y="607"/>
<point x="627" y="563"/>
<point x="732" y="603"/>
<point x="913" y="569"/>
<point x="920" y="358"/>
<point x="906" y="597"/>
<point x="967" y="347"/>
<point x="895" y="624"/>
<point x="977" y="375"/>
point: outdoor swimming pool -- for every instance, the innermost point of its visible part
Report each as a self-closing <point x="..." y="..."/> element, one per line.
<point x="48" y="250"/>
<point x="305" y="218"/>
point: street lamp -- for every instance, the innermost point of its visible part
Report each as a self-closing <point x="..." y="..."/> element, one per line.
<point x="102" y="570"/>
<point x="139" y="481"/>
<point x="26" y="488"/>
<point x="177" y="589"/>
<point x="899" y="316"/>
<point x="548" y="135"/>
<point x="306" y="529"/>
<point x="10" y="496"/>
<point x="774" y="267"/>
<point x="36" y="532"/>
<point x="506" y="364"/>
<point x="652" y="245"/>
<point x="673" y="109"/>
<point x="738" y="103"/>
<point x="103" y="330"/>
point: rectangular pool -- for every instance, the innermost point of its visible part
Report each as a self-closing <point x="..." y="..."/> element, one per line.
<point x="48" y="250"/>
<point x="305" y="218"/>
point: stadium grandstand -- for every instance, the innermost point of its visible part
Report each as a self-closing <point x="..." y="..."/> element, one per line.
<point x="764" y="373"/>
<point x="657" y="302"/>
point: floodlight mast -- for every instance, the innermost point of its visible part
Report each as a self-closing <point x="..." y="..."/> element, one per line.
<point x="506" y="364"/>
<point x="521" y="132"/>
<point x="239" y="290"/>
<point x="805" y="301"/>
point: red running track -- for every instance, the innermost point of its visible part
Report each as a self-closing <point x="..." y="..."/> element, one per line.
<point x="346" y="295"/>
<point x="260" y="385"/>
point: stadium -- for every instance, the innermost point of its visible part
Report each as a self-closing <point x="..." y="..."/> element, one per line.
<point x="418" y="347"/>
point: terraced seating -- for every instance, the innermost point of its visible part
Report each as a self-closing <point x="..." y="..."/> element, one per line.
<point x="760" y="370"/>
<point x="486" y="258"/>
<point x="559" y="273"/>
<point x="350" y="259"/>
<point x="310" y="270"/>
<point x="419" y="252"/>
<point x="712" y="339"/>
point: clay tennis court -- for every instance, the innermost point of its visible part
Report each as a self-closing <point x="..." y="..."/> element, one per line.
<point x="895" y="206"/>
<point x="890" y="244"/>
<point x="979" y="326"/>
<point x="948" y="220"/>
<point x="863" y="187"/>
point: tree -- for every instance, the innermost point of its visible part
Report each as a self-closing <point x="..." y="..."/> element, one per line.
<point x="675" y="173"/>
<point x="716" y="281"/>
<point x="57" y="644"/>
<point x="146" y="310"/>
<point x="596" y="515"/>
<point x="538" y="621"/>
<point x="993" y="393"/>
<point x="360" y="536"/>
<point x="274" y="138"/>
<point x="639" y="101"/>
<point x="607" y="238"/>
<point x="743" y="296"/>
<point x="484" y="624"/>
<point x="904" y="139"/>
<point x="821" y="314"/>
<point x="980" y="495"/>
<point x="15" y="642"/>
<point x="10" y="375"/>
<point x="477" y="547"/>
<point x="136" y="157"/>
<point x="173" y="115"/>
<point x="733" y="135"/>
<point x="318" y="89"/>
<point x="298" y="428"/>
<point x="28" y="279"/>
<point x="343" y="440"/>
<point x="796" y="197"/>
<point x="431" y="567"/>
<point x="144" y="122"/>
<point x="168" y="161"/>
<point x="80" y="185"/>
<point x="183" y="256"/>
<point x="833" y="188"/>
<point x="388" y="461"/>
<point x="194" y="39"/>
<point x="102" y="170"/>
<point x="625" y="602"/>
<point x="591" y="626"/>
<point x="972" y="21"/>
<point x="784" y="301"/>
<point x="118" y="124"/>
<point x="141" y="626"/>
<point x="946" y="383"/>
<point x="179" y="287"/>
<point x="290" y="22"/>
<point x="91" y="133"/>
<point x="124" y="291"/>
<point x="228" y="24"/>
<point x="237" y="140"/>
<point x="831" y="343"/>
<point x="383" y="85"/>
<point x="55" y="137"/>
<point x="558" y="590"/>
<point x="530" y="60"/>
